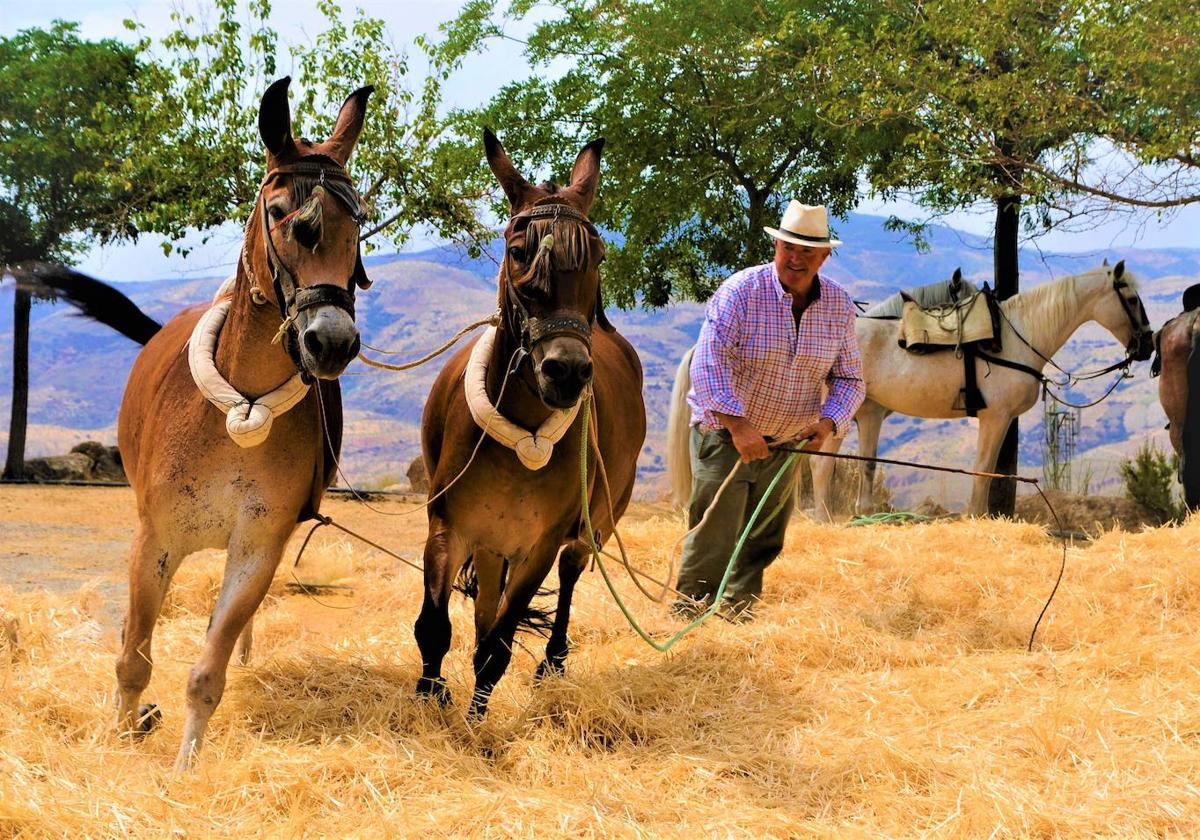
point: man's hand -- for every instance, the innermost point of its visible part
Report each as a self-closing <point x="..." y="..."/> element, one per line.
<point x="817" y="433"/>
<point x="747" y="439"/>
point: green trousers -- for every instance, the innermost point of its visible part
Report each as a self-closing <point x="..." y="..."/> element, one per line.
<point x="707" y="551"/>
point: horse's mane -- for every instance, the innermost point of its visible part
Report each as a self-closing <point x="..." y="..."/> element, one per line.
<point x="1052" y="303"/>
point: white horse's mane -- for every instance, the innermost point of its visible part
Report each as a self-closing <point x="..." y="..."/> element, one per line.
<point x="1045" y="308"/>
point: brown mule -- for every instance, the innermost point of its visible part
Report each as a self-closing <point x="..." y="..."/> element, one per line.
<point x="1178" y="367"/>
<point x="502" y="519"/>
<point x="195" y="487"/>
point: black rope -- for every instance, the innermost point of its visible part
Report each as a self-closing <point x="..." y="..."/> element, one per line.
<point x="328" y="520"/>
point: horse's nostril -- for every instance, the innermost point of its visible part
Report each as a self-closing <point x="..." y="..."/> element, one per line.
<point x="312" y="342"/>
<point x="585" y="371"/>
<point x="553" y="369"/>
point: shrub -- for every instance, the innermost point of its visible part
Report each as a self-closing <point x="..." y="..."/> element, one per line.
<point x="1150" y="480"/>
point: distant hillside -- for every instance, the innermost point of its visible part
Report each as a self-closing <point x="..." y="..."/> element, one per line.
<point x="78" y="368"/>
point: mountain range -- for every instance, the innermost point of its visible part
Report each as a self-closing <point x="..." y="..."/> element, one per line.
<point x="78" y="368"/>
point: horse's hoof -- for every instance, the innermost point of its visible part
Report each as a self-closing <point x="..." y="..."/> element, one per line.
<point x="477" y="711"/>
<point x="149" y="716"/>
<point x="434" y="689"/>
<point x="549" y="668"/>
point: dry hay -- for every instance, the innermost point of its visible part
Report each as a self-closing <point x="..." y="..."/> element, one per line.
<point x="884" y="690"/>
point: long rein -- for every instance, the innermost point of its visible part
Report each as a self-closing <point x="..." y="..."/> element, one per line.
<point x="1071" y="378"/>
<point x="793" y="454"/>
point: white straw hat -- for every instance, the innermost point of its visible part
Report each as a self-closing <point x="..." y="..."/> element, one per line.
<point x="804" y="225"/>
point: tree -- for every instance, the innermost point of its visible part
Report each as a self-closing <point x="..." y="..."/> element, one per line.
<point x="61" y="96"/>
<point x="710" y="128"/>
<point x="1140" y="70"/>
<point x="200" y="143"/>
<point x="106" y="140"/>
<point x="977" y="93"/>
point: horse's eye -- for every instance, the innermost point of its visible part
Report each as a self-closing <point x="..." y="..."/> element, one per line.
<point x="517" y="253"/>
<point x="276" y="212"/>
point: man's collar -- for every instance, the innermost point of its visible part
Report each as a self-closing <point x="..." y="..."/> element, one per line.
<point x="814" y="292"/>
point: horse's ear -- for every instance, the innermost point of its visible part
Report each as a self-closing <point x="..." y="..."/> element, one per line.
<point x="601" y="318"/>
<point x="957" y="278"/>
<point x="513" y="182"/>
<point x="585" y="175"/>
<point x="360" y="273"/>
<point x="1119" y="270"/>
<point x="275" y="119"/>
<point x="349" y="125"/>
<point x="1105" y="263"/>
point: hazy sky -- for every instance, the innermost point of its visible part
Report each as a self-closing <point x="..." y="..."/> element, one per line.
<point x="299" y="21"/>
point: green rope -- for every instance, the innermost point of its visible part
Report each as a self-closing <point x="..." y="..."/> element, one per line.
<point x="661" y="647"/>
<point x="896" y="517"/>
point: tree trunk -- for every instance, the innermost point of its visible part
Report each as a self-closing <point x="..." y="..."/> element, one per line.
<point x="1002" y="496"/>
<point x="14" y="467"/>
<point x="755" y="216"/>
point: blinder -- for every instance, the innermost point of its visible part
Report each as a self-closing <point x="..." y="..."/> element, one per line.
<point x="1139" y="321"/>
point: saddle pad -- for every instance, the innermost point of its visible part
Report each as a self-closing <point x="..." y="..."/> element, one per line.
<point x="949" y="325"/>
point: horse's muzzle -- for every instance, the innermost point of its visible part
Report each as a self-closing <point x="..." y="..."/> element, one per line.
<point x="564" y="371"/>
<point x="1142" y="346"/>
<point x="329" y="341"/>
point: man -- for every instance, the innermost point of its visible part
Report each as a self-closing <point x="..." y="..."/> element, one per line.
<point x="773" y="336"/>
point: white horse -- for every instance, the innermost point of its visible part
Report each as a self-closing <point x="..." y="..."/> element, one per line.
<point x="1033" y="326"/>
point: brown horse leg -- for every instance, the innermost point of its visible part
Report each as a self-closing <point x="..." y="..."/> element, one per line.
<point x="571" y="564"/>
<point x="249" y="570"/>
<point x="493" y="648"/>
<point x="151" y="568"/>
<point x="245" y="641"/>
<point x="444" y="557"/>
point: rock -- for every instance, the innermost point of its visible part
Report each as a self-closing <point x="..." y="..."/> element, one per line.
<point x="73" y="467"/>
<point x="929" y="507"/>
<point x="1086" y="514"/>
<point x="418" y="476"/>
<point x="106" y="461"/>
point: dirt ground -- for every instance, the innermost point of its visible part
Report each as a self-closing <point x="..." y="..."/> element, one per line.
<point x="61" y="539"/>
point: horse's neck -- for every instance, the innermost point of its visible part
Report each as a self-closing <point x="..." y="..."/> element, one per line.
<point x="519" y="402"/>
<point x="1047" y="321"/>
<point x="245" y="355"/>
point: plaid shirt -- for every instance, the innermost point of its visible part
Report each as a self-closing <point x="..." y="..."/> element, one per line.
<point x="753" y="361"/>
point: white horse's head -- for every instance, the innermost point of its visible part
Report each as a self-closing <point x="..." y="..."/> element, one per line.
<point x="1118" y="308"/>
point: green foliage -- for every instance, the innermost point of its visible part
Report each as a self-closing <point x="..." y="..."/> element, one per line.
<point x="712" y="125"/>
<point x="203" y="146"/>
<point x="105" y="140"/>
<point x="1150" y="480"/>
<point x="975" y="94"/>
<point x="63" y="112"/>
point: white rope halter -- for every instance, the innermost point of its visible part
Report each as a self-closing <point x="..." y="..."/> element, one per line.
<point x="533" y="448"/>
<point x="247" y="420"/>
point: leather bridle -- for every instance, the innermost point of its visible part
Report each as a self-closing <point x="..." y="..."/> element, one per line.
<point x="292" y="298"/>
<point x="532" y="330"/>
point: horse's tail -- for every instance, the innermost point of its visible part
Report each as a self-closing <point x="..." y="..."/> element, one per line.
<point x="533" y="619"/>
<point x="1190" y="466"/>
<point x="93" y="299"/>
<point x="679" y="463"/>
